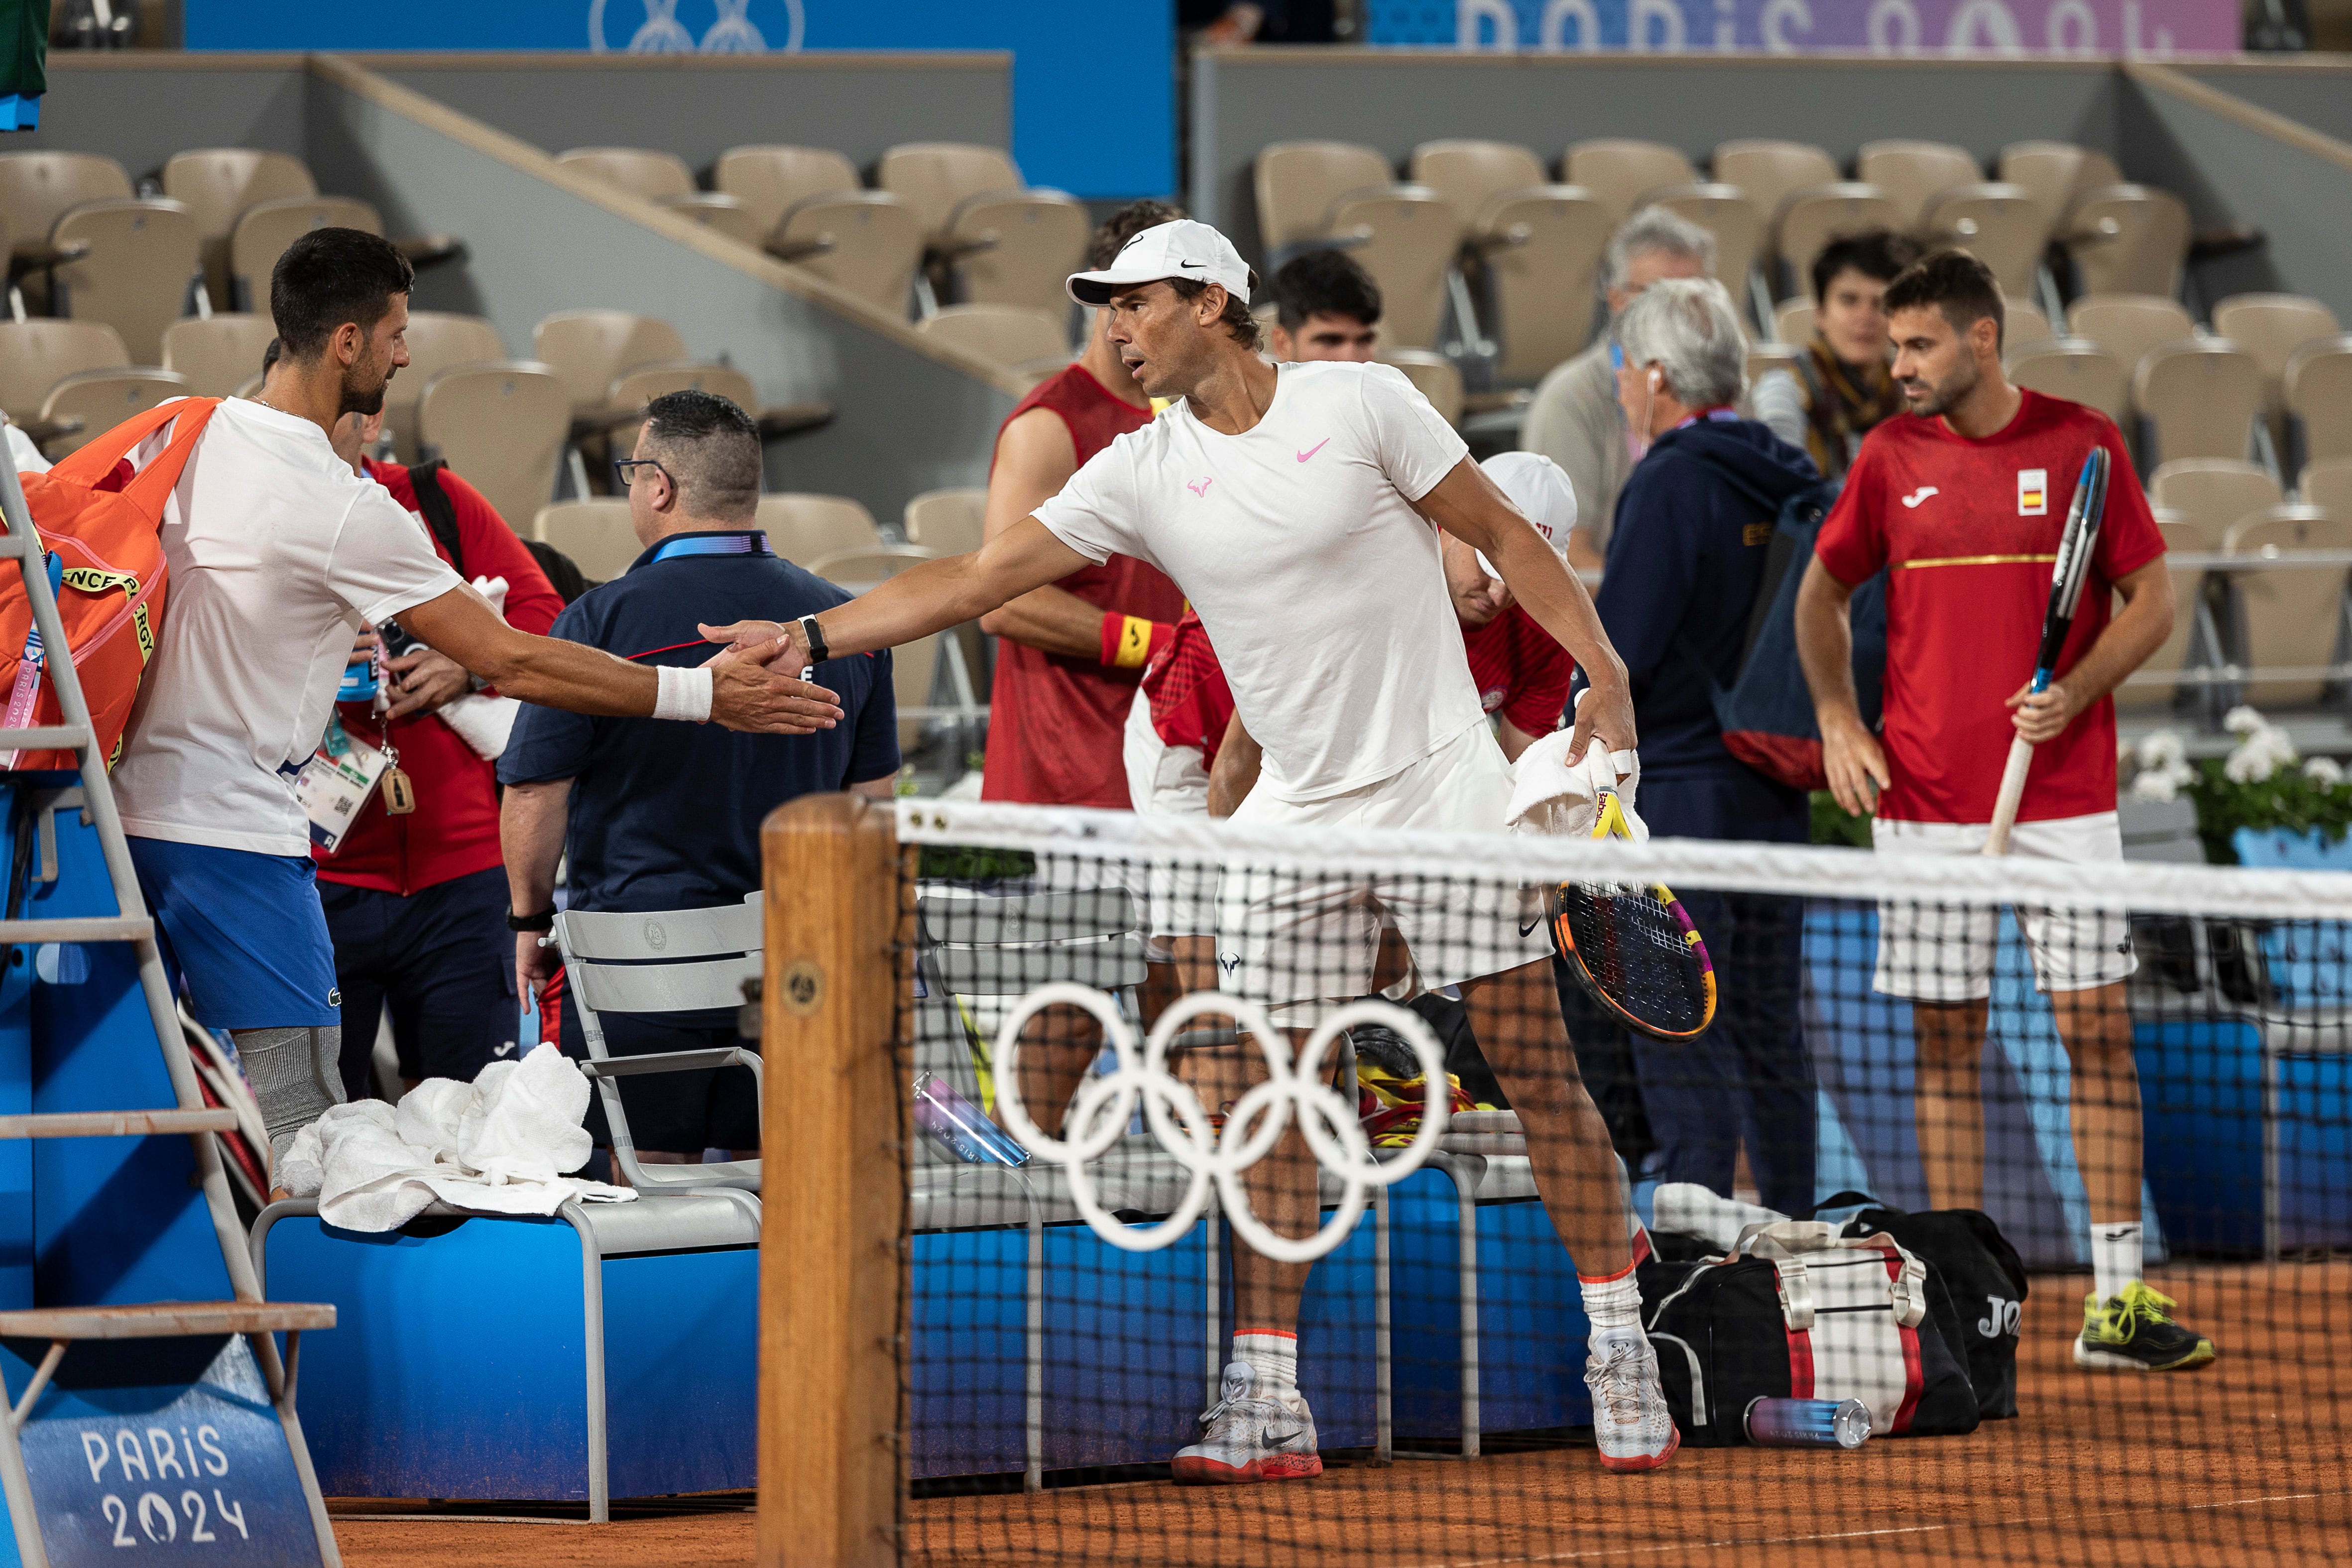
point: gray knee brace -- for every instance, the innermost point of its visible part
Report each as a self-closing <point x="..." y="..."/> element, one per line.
<point x="295" y="1075"/>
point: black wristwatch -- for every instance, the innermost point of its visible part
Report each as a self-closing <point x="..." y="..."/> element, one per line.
<point x="543" y="920"/>
<point x="818" y="653"/>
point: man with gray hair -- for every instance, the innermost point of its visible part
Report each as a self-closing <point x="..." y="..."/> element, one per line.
<point x="1684" y="568"/>
<point x="1573" y="417"/>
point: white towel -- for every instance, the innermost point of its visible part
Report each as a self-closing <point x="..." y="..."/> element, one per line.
<point x="1689" y="1209"/>
<point x="1553" y="796"/>
<point x="484" y="722"/>
<point x="499" y="1145"/>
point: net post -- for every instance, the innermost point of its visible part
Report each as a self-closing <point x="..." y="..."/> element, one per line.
<point x="833" y="1290"/>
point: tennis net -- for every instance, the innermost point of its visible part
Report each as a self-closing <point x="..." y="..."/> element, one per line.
<point x="1229" y="1153"/>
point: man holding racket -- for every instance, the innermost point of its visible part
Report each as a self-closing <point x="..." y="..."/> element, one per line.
<point x="1295" y="510"/>
<point x="1965" y="500"/>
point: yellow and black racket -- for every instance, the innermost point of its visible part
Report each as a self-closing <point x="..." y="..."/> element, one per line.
<point x="1634" y="947"/>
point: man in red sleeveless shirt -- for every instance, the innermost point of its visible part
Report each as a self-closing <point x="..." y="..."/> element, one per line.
<point x="1070" y="654"/>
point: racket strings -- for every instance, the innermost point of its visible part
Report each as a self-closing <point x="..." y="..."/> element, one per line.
<point x="1635" y="947"/>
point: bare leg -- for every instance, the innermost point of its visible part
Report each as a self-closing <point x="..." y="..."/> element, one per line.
<point x="1196" y="962"/>
<point x="1515" y="1016"/>
<point x="2095" y="1026"/>
<point x="1281" y="1188"/>
<point x="1057" y="1046"/>
<point x="1948" y="1103"/>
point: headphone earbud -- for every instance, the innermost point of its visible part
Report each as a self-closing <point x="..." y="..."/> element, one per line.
<point x="1654" y="381"/>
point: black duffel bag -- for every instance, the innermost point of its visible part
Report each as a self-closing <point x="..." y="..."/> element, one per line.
<point x="1977" y="1288"/>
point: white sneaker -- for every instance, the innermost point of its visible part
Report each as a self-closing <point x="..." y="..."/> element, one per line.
<point x="1630" y="1418"/>
<point x="1249" y="1436"/>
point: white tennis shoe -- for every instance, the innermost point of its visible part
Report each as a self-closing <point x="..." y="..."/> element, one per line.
<point x="1247" y="1436"/>
<point x="1630" y="1418"/>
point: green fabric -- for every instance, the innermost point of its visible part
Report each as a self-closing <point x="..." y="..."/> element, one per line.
<point x="24" y="47"/>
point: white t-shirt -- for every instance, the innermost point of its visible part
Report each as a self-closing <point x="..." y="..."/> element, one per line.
<point x="277" y="553"/>
<point x="1319" y="584"/>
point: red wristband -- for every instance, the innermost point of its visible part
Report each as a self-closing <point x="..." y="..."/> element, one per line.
<point x="1131" y="642"/>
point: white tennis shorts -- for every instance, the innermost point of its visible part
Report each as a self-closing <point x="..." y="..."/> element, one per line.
<point x="1932" y="952"/>
<point x="1179" y="898"/>
<point x="1284" y="938"/>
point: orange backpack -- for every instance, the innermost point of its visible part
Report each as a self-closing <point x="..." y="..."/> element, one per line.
<point x="105" y="562"/>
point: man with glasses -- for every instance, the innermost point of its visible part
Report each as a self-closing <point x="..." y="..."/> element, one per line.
<point x="667" y="817"/>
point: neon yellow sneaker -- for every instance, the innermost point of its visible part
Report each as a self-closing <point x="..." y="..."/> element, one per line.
<point x="2134" y="1332"/>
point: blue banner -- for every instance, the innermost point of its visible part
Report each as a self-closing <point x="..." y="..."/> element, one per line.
<point x="1798" y="27"/>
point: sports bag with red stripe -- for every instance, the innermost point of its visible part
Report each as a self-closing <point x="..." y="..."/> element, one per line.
<point x="1795" y="1310"/>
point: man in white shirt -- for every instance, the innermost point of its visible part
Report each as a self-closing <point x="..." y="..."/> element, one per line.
<point x="1294" y="508"/>
<point x="277" y="553"/>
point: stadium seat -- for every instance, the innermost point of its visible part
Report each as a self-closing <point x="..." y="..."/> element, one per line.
<point x="2023" y="325"/>
<point x="2209" y="494"/>
<point x="437" y="340"/>
<point x="1539" y="252"/>
<point x="947" y="523"/>
<point x="1433" y="376"/>
<point x="2127" y="239"/>
<point x="770" y="179"/>
<point x="2327" y="485"/>
<point x="219" y="184"/>
<point x="140" y="272"/>
<point x="222" y="353"/>
<point x="1764" y="357"/>
<point x="2077" y="369"/>
<point x="633" y="389"/>
<point x="2056" y="174"/>
<point x="2200" y="399"/>
<point x="1792" y="322"/>
<point x="592" y="349"/>
<point x="868" y="244"/>
<point x="265" y="230"/>
<point x="1726" y="213"/>
<point x="936" y="178"/>
<point x="2000" y="225"/>
<point x="640" y="171"/>
<point x="1810" y="217"/>
<point x="1015" y="247"/>
<point x="1297" y="183"/>
<point x="35" y="189"/>
<point x="2271" y="327"/>
<point x="730" y="215"/>
<point x="2318" y="388"/>
<point x="2286" y="617"/>
<point x="92" y="402"/>
<point x="502" y="426"/>
<point x="1771" y="171"/>
<point x="915" y="666"/>
<point x="1022" y="340"/>
<point x="1470" y="173"/>
<point x="802" y="528"/>
<point x="35" y="355"/>
<point x="2141" y="693"/>
<point x="2129" y="325"/>
<point x="1406" y="237"/>
<point x="1622" y="172"/>
<point x="1914" y="174"/>
<point x="596" y="533"/>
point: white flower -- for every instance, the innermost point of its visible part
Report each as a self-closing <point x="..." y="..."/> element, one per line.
<point x="2249" y="763"/>
<point x="2157" y="783"/>
<point x="2161" y="750"/>
<point x="2242" y="721"/>
<point x="2324" y="771"/>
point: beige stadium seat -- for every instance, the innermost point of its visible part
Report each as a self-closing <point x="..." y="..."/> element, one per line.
<point x="2056" y="174"/>
<point x="2127" y="239"/>
<point x="642" y="171"/>
<point x="769" y="180"/>
<point x="2076" y="369"/>
<point x="947" y="522"/>
<point x="36" y="188"/>
<point x="1769" y="171"/>
<point x="936" y="178"/>
<point x="1469" y="173"/>
<point x="220" y="185"/>
<point x="265" y="230"/>
<point x="1024" y="340"/>
<point x="1725" y="211"/>
<point x="1622" y="172"/>
<point x="915" y="665"/>
<point x="1016" y="248"/>
<point x="596" y="534"/>
<point x="140" y="273"/>
<point x="35" y="355"/>
<point x="2129" y="325"/>
<point x="437" y="340"/>
<point x="590" y="350"/>
<point x="2140" y="694"/>
<point x="1914" y="174"/>
<point x="2200" y="399"/>
<point x="803" y="527"/>
<point x="1792" y="322"/>
<point x="1297" y="182"/>
<point x="2271" y="327"/>
<point x="223" y="354"/>
<point x="863" y="565"/>
<point x="504" y="426"/>
<point x="2211" y="493"/>
<point x="2327" y="485"/>
<point x="1763" y="357"/>
<point x="1540" y="258"/>
<point x="636" y="388"/>
<point x="1810" y="218"/>
<point x="99" y="400"/>
<point x="2000" y="225"/>
<point x="730" y="215"/>
<point x="868" y="243"/>
<point x="1406" y="237"/>
<point x="2023" y="325"/>
<point x="2318" y="395"/>
<point x="1433" y="376"/>
<point x="2287" y="616"/>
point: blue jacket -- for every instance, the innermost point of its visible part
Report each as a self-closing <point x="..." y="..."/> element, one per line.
<point x="1686" y="559"/>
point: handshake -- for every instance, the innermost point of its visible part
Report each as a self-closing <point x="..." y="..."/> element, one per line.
<point x="756" y="681"/>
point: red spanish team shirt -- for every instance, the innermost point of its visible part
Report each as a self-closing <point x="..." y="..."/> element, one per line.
<point x="1191" y="703"/>
<point x="1971" y="529"/>
<point x="1520" y="671"/>
<point x="1055" y="724"/>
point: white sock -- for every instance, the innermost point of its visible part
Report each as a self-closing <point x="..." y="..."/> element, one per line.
<point x="2114" y="1257"/>
<point x="1272" y="1353"/>
<point x="1612" y="1301"/>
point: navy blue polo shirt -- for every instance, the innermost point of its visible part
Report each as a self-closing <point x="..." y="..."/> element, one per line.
<point x="664" y="815"/>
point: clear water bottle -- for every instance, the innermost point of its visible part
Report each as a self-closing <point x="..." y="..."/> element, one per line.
<point x="960" y="1130"/>
<point x="1807" y="1422"/>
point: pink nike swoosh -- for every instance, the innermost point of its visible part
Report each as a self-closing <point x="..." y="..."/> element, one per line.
<point x="1315" y="449"/>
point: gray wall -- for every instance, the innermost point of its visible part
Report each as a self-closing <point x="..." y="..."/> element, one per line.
<point x="698" y="106"/>
<point x="2318" y="91"/>
<point x="140" y="109"/>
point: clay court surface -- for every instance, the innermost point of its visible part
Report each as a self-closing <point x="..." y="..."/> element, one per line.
<point x="2249" y="1462"/>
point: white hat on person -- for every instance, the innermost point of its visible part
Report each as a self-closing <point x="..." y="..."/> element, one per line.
<point x="1540" y="488"/>
<point x="1182" y="248"/>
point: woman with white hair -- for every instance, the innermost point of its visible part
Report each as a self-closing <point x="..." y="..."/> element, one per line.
<point x="1685" y="564"/>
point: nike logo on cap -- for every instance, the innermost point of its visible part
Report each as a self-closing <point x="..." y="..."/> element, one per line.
<point x="1195" y="265"/>
<point x="1922" y="494"/>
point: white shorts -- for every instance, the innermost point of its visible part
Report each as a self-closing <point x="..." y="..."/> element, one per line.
<point x="1162" y="780"/>
<point x="1931" y="953"/>
<point x="1285" y="938"/>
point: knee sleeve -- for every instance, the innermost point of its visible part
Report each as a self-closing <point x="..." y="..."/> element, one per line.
<point x="296" y="1074"/>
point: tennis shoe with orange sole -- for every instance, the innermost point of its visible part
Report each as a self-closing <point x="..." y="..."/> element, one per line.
<point x="1630" y="1419"/>
<point x="1253" y="1433"/>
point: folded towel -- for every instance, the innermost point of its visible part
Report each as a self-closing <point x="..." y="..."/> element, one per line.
<point x="1692" y="1210"/>
<point x="484" y="722"/>
<point x="1553" y="796"/>
<point x="499" y="1145"/>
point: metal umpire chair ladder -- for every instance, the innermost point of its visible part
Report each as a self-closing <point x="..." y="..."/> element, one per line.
<point x="58" y="1507"/>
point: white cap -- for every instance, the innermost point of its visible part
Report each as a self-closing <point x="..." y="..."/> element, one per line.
<point x="1540" y="488"/>
<point x="1184" y="248"/>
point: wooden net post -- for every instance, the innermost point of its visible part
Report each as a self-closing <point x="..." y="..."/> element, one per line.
<point x="832" y="1296"/>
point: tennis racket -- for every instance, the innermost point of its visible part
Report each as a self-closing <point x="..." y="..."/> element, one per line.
<point x="1633" y="946"/>
<point x="2075" y="547"/>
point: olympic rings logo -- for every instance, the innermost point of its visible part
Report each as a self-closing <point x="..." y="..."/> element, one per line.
<point x="1106" y="1104"/>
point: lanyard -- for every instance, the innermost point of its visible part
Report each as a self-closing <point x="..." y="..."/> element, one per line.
<point x="752" y="542"/>
<point x="1719" y="413"/>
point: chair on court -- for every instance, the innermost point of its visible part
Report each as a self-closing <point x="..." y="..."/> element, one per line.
<point x="1404" y="235"/>
<point x="2288" y="619"/>
<point x="265" y="230"/>
<point x="220" y="353"/>
<point x="35" y="189"/>
<point x="640" y="171"/>
<point x="503" y="426"/>
<point x="935" y="177"/>
<point x="1294" y="184"/>
<point x="596" y="533"/>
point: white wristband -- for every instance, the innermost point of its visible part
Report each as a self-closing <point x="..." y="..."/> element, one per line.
<point x="682" y="693"/>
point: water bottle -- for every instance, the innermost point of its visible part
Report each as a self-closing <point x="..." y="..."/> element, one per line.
<point x="956" y="1128"/>
<point x="358" y="684"/>
<point x="1807" y="1422"/>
